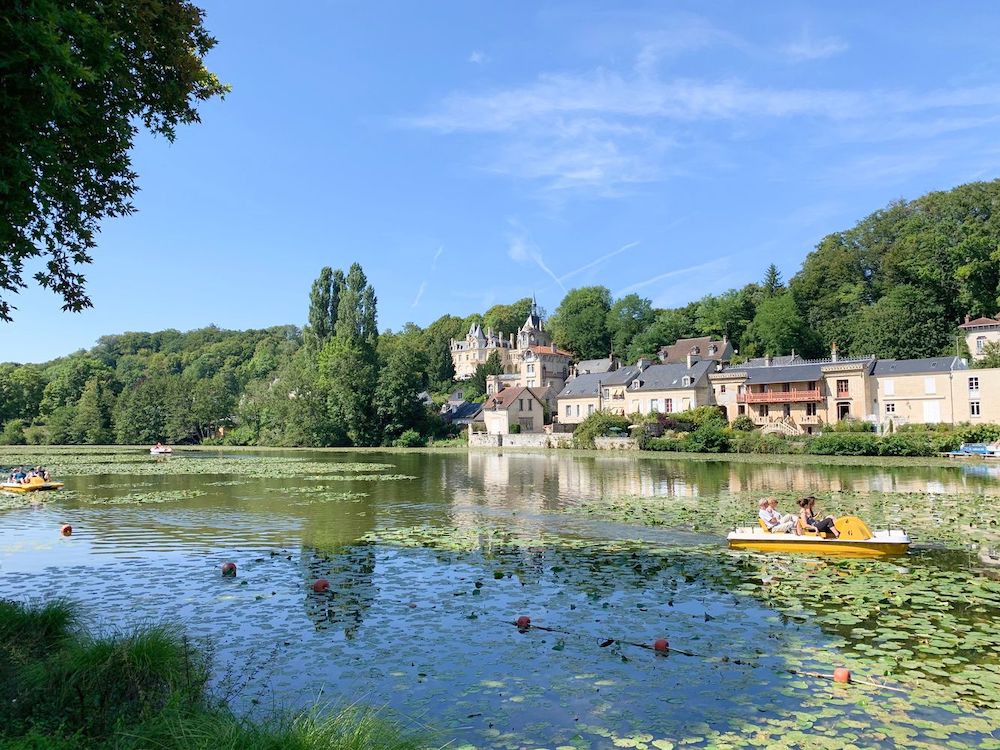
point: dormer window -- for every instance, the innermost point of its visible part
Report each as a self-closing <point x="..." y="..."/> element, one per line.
<point x="696" y="350"/>
<point x="685" y="381"/>
<point x="713" y="349"/>
<point x="637" y="383"/>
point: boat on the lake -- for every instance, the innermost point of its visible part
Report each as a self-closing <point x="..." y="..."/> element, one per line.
<point x="160" y="450"/>
<point x="33" y="484"/>
<point x="855" y="540"/>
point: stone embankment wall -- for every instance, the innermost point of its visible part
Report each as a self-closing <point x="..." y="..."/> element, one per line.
<point x="616" y="444"/>
<point x="543" y="440"/>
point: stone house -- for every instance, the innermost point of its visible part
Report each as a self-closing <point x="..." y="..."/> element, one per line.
<point x="519" y="406"/>
<point x="670" y="388"/>
<point x="798" y="397"/>
<point x="979" y="333"/>
<point x="597" y="391"/>
<point x="920" y="390"/>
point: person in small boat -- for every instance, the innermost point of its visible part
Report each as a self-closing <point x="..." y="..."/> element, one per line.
<point x="809" y="520"/>
<point x="773" y="519"/>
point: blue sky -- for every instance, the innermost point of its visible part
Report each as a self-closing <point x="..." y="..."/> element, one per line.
<point x="469" y="153"/>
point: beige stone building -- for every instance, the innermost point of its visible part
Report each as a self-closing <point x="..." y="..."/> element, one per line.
<point x="979" y="333"/>
<point x="592" y="392"/>
<point x="920" y="391"/>
<point x="643" y="388"/>
<point x="519" y="406"/>
<point x="976" y="396"/>
<point x="670" y="388"/>
<point x="529" y="357"/>
<point x="795" y="396"/>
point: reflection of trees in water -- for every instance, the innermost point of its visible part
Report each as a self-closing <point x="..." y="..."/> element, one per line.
<point x="351" y="573"/>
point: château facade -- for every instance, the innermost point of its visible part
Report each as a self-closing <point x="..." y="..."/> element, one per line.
<point x="529" y="357"/>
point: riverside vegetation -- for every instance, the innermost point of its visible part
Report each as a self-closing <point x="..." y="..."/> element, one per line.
<point x="905" y="277"/>
<point x="64" y="688"/>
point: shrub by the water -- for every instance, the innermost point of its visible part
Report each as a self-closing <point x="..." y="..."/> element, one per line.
<point x="709" y="438"/>
<point x="844" y="444"/>
<point x="743" y="423"/>
<point x="61" y="687"/>
<point x="599" y="424"/>
<point x="758" y="442"/>
<point x="409" y="439"/>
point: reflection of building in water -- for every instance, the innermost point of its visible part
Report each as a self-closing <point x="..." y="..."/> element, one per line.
<point x="752" y="477"/>
<point x="352" y="591"/>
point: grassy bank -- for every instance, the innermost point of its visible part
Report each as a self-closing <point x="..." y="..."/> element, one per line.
<point x="63" y="688"/>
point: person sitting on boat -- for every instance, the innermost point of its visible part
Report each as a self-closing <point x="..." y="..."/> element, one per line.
<point x="20" y="475"/>
<point x="773" y="519"/>
<point x="811" y="522"/>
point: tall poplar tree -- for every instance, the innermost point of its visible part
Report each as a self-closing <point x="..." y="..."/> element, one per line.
<point x="349" y="361"/>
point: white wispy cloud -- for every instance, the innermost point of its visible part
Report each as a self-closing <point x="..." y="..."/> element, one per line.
<point x="521" y="249"/>
<point x="423" y="284"/>
<point x="710" y="265"/>
<point x="477" y="57"/>
<point x="420" y="294"/>
<point x="597" y="261"/>
<point x="807" y="48"/>
<point x="605" y="131"/>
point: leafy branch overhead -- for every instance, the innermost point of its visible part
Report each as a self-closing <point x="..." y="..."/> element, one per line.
<point x="75" y="78"/>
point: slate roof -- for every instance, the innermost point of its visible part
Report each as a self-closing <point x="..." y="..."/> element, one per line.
<point x="587" y="385"/>
<point x="670" y="376"/>
<point x="463" y="412"/>
<point x="927" y="366"/>
<point x="798" y="373"/>
<point x="595" y="365"/>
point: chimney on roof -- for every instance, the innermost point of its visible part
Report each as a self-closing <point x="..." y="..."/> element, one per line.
<point x="725" y="338"/>
<point x="690" y="360"/>
<point x="553" y="348"/>
<point x="833" y="351"/>
<point x="967" y="317"/>
<point x="643" y="363"/>
<point x="768" y="360"/>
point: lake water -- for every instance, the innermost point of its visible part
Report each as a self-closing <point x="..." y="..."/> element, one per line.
<point x="431" y="556"/>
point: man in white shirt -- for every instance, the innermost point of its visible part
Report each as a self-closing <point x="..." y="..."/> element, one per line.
<point x="775" y="522"/>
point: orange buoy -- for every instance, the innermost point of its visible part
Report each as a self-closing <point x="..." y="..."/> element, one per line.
<point x="321" y="585"/>
<point x="523" y="622"/>
<point x="229" y="569"/>
<point x="66" y="530"/>
<point x="841" y="674"/>
<point x="661" y="644"/>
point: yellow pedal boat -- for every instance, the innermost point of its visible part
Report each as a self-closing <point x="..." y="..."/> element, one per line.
<point x="856" y="540"/>
<point x="34" y="484"/>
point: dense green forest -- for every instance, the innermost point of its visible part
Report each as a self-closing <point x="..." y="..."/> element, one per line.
<point x="895" y="285"/>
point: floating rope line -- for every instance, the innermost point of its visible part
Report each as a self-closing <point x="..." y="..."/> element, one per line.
<point x="661" y="646"/>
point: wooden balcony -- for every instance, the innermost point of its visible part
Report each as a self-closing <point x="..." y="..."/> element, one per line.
<point x="778" y="397"/>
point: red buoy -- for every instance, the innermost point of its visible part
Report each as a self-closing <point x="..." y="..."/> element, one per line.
<point x="523" y="622"/>
<point x="841" y="674"/>
<point x="321" y="585"/>
<point x="229" y="569"/>
<point x="661" y="644"/>
<point x="66" y="530"/>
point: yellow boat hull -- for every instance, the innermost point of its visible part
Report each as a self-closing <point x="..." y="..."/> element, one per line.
<point x="823" y="547"/>
<point x="34" y="485"/>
